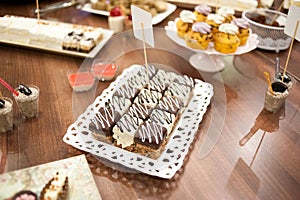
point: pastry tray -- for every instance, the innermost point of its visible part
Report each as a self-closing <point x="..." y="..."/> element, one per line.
<point x="155" y="20"/>
<point x="107" y="34"/>
<point x="171" y="159"/>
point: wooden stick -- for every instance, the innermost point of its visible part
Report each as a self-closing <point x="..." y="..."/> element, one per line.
<point x="289" y="54"/>
<point x="145" y="55"/>
<point x="37" y="9"/>
<point x="217" y="6"/>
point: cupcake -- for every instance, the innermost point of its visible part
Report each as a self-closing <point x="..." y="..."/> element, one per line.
<point x="227" y="13"/>
<point x="215" y="21"/>
<point x="201" y="12"/>
<point x="244" y="29"/>
<point x="226" y="41"/>
<point x="185" y="22"/>
<point x="200" y="36"/>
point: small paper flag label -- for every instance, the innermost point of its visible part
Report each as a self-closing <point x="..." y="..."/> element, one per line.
<point x="292" y="18"/>
<point x="142" y="22"/>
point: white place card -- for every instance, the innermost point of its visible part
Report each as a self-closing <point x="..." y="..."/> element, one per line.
<point x="292" y="18"/>
<point x="142" y="22"/>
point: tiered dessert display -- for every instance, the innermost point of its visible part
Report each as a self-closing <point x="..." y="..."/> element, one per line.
<point x="212" y="34"/>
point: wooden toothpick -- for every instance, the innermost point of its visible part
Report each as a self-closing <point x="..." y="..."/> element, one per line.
<point x="37" y="9"/>
<point x="217" y="6"/>
<point x="290" y="50"/>
<point x="145" y="55"/>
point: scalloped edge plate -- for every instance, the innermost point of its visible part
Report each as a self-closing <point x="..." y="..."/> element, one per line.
<point x="171" y="159"/>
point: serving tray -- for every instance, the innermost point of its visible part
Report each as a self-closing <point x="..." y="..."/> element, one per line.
<point x="155" y="20"/>
<point x="106" y="35"/>
<point x="171" y="159"/>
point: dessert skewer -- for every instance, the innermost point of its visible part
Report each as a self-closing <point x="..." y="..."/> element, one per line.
<point x="290" y="50"/>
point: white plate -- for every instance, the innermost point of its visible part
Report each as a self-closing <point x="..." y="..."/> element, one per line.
<point x="171" y="32"/>
<point x="107" y="34"/>
<point x="79" y="136"/>
<point x="155" y="20"/>
<point x="81" y="181"/>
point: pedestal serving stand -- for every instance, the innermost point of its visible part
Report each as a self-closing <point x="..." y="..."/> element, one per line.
<point x="208" y="60"/>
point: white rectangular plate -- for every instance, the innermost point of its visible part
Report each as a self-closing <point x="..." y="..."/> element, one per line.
<point x="107" y="34"/>
<point x="171" y="159"/>
<point x="155" y="20"/>
<point x="81" y="181"/>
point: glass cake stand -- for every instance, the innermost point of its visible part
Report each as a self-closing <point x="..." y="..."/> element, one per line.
<point x="208" y="60"/>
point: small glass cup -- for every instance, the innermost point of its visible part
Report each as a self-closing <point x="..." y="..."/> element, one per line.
<point x="104" y="70"/>
<point x="273" y="102"/>
<point x="286" y="80"/>
<point x="81" y="81"/>
<point x="6" y="115"/>
<point x="28" y="104"/>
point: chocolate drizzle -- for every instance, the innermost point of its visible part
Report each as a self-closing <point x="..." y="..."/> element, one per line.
<point x="179" y="90"/>
<point x="158" y="84"/>
<point x="137" y="82"/>
<point x="151" y="134"/>
<point x="185" y="80"/>
<point x="140" y="111"/>
<point x="104" y="120"/>
<point x="151" y="71"/>
<point x="126" y="91"/>
<point x="148" y="97"/>
<point x="24" y="89"/>
<point x="162" y="117"/>
<point x="128" y="123"/>
<point x="120" y="104"/>
<point x="170" y="104"/>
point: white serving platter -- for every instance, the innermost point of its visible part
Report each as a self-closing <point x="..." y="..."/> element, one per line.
<point x="107" y="34"/>
<point x="81" y="182"/>
<point x="171" y="159"/>
<point x="155" y="20"/>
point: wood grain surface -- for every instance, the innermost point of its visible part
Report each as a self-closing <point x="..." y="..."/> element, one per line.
<point x="266" y="167"/>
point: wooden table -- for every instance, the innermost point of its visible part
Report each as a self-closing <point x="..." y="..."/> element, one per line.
<point x="266" y="167"/>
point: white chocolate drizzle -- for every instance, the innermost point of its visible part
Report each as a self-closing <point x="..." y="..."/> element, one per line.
<point x="128" y="123"/>
<point x="137" y="110"/>
<point x="120" y="104"/>
<point x="185" y="80"/>
<point x="163" y="118"/>
<point x="126" y="91"/>
<point x="103" y="118"/>
<point x="150" y="130"/>
<point x="180" y="91"/>
<point x="148" y="97"/>
<point x="169" y="103"/>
